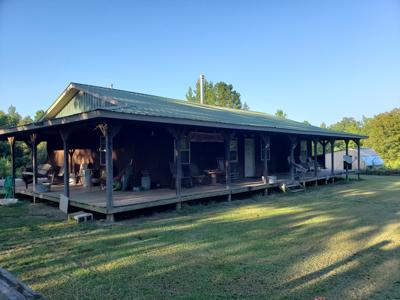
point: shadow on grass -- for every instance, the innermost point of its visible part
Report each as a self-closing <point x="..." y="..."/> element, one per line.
<point x="337" y="241"/>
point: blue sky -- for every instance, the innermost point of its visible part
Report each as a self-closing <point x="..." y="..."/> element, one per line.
<point x="317" y="60"/>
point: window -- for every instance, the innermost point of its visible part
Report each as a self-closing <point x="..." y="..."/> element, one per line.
<point x="102" y="151"/>
<point x="233" y="150"/>
<point x="185" y="150"/>
<point x="303" y="151"/>
<point x="263" y="151"/>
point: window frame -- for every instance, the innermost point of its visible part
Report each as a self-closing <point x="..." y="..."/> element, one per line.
<point x="262" y="152"/>
<point x="188" y="150"/>
<point x="234" y="147"/>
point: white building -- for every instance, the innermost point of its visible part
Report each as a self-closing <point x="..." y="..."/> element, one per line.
<point x="369" y="159"/>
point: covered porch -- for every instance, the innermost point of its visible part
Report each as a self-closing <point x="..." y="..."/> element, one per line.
<point x="243" y="160"/>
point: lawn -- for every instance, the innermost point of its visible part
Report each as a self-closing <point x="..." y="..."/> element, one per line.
<point x="338" y="241"/>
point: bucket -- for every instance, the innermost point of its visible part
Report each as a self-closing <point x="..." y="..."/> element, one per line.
<point x="87" y="178"/>
<point x="272" y="179"/>
<point x="145" y="182"/>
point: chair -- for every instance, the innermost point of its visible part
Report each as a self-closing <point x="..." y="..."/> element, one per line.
<point x="186" y="179"/>
<point x="311" y="164"/>
<point x="198" y="177"/>
<point x="234" y="172"/>
<point x="43" y="171"/>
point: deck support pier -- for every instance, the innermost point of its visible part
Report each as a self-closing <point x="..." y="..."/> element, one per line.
<point x="109" y="132"/>
<point x="332" y="142"/>
<point x="33" y="143"/>
<point x="293" y="144"/>
<point x="65" y="138"/>
<point x="11" y="142"/>
<point x="228" y="139"/>
<point x="347" y="165"/>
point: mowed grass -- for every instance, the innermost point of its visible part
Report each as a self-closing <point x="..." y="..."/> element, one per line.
<point x="338" y="241"/>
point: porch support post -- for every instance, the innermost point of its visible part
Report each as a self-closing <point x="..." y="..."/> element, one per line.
<point x="228" y="138"/>
<point x="11" y="142"/>
<point x="293" y="144"/>
<point x="333" y="157"/>
<point x="65" y="138"/>
<point x="315" y="141"/>
<point x="267" y="144"/>
<point x="347" y="165"/>
<point x="358" y="142"/>
<point x="109" y="132"/>
<point x="177" y="134"/>
<point x="33" y="141"/>
<point x="324" y="143"/>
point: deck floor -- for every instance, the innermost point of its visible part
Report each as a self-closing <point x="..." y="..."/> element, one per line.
<point x="93" y="199"/>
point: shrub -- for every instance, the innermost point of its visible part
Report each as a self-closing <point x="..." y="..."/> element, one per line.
<point x="5" y="167"/>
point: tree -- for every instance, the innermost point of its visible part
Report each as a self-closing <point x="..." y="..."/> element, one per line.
<point x="384" y="136"/>
<point x="351" y="125"/>
<point x="22" y="153"/>
<point x="219" y="94"/>
<point x="245" y="106"/>
<point x="38" y="115"/>
<point x="306" y="122"/>
<point x="323" y="125"/>
<point x="281" y="114"/>
<point x="13" y="117"/>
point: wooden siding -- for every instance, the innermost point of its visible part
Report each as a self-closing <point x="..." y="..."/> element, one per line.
<point x="82" y="102"/>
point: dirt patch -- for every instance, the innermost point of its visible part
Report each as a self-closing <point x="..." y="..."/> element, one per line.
<point x="45" y="210"/>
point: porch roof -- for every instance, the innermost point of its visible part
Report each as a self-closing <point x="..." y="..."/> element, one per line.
<point x="120" y="104"/>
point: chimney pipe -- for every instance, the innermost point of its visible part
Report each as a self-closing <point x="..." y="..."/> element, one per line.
<point x="202" y="88"/>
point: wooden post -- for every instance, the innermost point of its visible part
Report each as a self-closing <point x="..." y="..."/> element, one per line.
<point x="358" y="142"/>
<point x="293" y="144"/>
<point x="109" y="133"/>
<point x="33" y="141"/>
<point x="178" y="135"/>
<point x="228" y="138"/>
<point x="267" y="144"/>
<point x="315" y="158"/>
<point x="65" y="138"/>
<point x="71" y="160"/>
<point x="11" y="142"/>
<point x="347" y="165"/>
<point x="324" y="143"/>
<point x="333" y="157"/>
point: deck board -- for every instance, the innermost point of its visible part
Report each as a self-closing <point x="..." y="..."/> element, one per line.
<point x="93" y="199"/>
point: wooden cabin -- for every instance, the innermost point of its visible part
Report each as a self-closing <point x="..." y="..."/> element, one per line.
<point x="174" y="150"/>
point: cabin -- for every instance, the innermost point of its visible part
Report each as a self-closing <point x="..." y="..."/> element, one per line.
<point x="112" y="151"/>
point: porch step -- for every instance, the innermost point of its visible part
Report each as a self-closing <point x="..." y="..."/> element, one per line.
<point x="292" y="187"/>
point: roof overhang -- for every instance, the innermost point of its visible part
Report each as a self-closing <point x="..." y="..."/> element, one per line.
<point x="106" y="114"/>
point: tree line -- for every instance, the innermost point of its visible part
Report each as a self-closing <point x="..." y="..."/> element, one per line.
<point x="383" y="131"/>
<point x="12" y="118"/>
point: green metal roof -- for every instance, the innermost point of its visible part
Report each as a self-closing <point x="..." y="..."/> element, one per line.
<point x="155" y="106"/>
<point x="79" y="102"/>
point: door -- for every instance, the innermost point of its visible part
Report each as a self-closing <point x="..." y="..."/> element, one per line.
<point x="249" y="158"/>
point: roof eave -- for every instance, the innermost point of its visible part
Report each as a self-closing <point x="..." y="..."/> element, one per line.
<point x="101" y="113"/>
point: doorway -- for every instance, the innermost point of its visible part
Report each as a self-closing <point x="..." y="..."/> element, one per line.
<point x="249" y="158"/>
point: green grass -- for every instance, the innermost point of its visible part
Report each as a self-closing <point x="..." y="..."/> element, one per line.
<point x="338" y="241"/>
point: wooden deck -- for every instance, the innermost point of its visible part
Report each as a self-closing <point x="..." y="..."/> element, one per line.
<point x="95" y="200"/>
